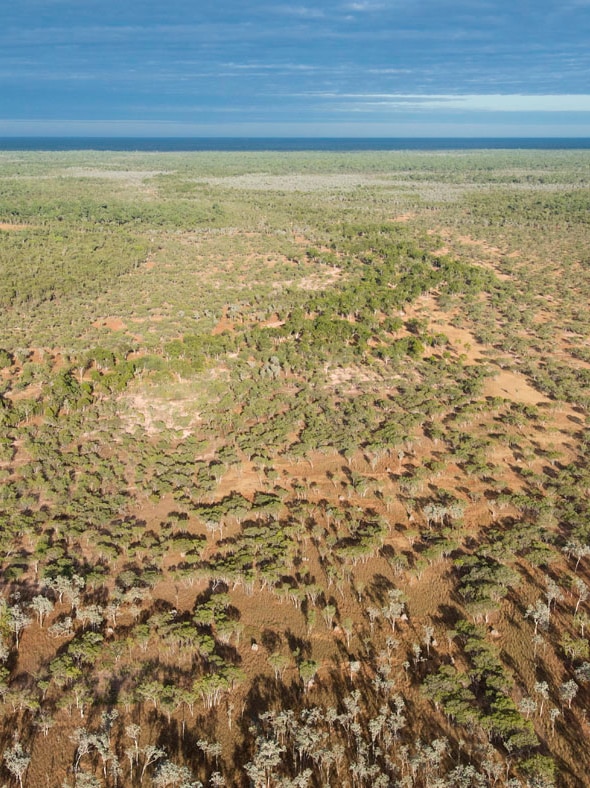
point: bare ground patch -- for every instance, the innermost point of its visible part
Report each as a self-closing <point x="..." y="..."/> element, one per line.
<point x="112" y="323"/>
<point x="152" y="412"/>
<point x="296" y="182"/>
<point x="321" y="281"/>
<point x="127" y="176"/>
<point x="404" y="217"/>
<point x="514" y="386"/>
<point x="10" y="227"/>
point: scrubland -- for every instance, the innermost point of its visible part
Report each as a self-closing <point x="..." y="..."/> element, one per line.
<point x="294" y="467"/>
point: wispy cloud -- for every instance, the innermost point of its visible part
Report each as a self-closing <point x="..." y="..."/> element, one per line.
<point x="365" y="6"/>
<point x="272" y="67"/>
<point x="385" y="71"/>
<point x="104" y="35"/>
<point x="381" y="61"/>
<point x="500" y="103"/>
<point x="301" y="11"/>
<point x="492" y="102"/>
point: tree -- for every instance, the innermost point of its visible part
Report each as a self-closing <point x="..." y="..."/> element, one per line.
<point x="582" y="592"/>
<point x="17" y="761"/>
<point x="540" y="770"/>
<point x="279" y="663"/>
<point x="68" y="587"/>
<point x="307" y="670"/>
<point x="170" y="775"/>
<point x="527" y="706"/>
<point x="428" y="636"/>
<point x="577" y="550"/>
<point x="328" y="614"/>
<point x="395" y="606"/>
<point x="212" y="686"/>
<point x="210" y="749"/>
<point x="348" y="628"/>
<point x="540" y="613"/>
<point x="269" y="754"/>
<point x="42" y="607"/>
<point x="17" y="621"/>
<point x="553" y="715"/>
<point x="44" y="722"/>
<point x="150" y="691"/>
<point x="568" y="691"/>
<point x="542" y="689"/>
<point x="151" y="754"/>
<point x="553" y="592"/>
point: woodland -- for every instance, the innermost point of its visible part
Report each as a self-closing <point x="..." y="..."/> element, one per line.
<point x="294" y="469"/>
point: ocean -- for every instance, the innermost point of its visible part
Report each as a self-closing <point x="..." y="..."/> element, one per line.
<point x="178" y="144"/>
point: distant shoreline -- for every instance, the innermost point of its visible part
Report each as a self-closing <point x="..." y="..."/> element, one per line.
<point x="287" y="144"/>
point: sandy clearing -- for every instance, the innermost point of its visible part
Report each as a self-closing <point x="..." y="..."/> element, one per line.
<point x="10" y="227"/>
<point x="151" y="412"/>
<point x="493" y="252"/>
<point x="461" y="339"/>
<point x="513" y="386"/>
<point x="224" y="324"/>
<point x="112" y="323"/>
<point x="132" y="176"/>
<point x="328" y="277"/>
<point x="294" y="182"/>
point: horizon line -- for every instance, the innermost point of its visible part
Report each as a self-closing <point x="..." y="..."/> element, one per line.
<point x="293" y="137"/>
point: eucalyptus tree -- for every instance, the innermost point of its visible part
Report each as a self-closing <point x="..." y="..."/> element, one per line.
<point x="17" y="621"/>
<point x="42" y="606"/>
<point x="17" y="761"/>
<point x="172" y="775"/>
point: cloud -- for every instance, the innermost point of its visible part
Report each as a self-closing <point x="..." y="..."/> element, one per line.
<point x="365" y="6"/>
<point x="505" y="103"/>
<point x="302" y="11"/>
<point x="390" y="71"/>
<point x="272" y="67"/>
<point x="103" y="35"/>
<point x="492" y="102"/>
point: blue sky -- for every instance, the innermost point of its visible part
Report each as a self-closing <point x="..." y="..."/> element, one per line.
<point x="330" y="68"/>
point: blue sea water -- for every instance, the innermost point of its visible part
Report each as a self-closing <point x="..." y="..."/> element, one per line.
<point x="178" y="144"/>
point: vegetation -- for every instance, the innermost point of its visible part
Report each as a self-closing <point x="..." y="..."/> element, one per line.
<point x="294" y="464"/>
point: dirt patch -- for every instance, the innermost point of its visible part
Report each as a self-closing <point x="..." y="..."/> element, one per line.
<point x="464" y="342"/>
<point x="321" y="282"/>
<point x="128" y="176"/>
<point x="493" y="252"/>
<point x="340" y="375"/>
<point x="31" y="392"/>
<point x="152" y="413"/>
<point x="295" y="182"/>
<point x="112" y="323"/>
<point x="8" y="227"/>
<point x="274" y="321"/>
<point x="224" y="324"/>
<point x="460" y="339"/>
<point x="512" y="385"/>
<point x="467" y="239"/>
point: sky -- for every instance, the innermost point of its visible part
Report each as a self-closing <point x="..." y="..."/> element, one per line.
<point x="330" y="68"/>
